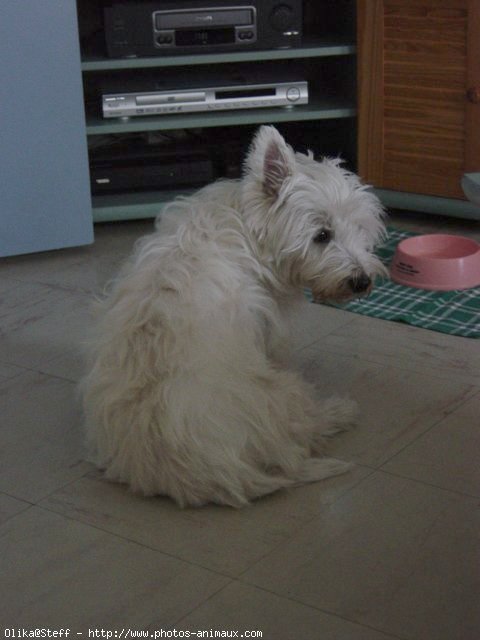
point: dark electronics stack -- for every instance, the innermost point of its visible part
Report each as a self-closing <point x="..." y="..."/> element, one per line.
<point x="184" y="158"/>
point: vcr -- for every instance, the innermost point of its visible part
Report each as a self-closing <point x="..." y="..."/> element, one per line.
<point x="137" y="28"/>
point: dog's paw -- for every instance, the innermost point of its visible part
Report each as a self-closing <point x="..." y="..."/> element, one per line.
<point x="338" y="415"/>
<point x="315" y="469"/>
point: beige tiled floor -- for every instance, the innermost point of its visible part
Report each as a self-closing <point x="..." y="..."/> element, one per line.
<point x="390" y="550"/>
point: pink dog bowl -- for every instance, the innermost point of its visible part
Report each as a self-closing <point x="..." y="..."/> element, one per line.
<point x="438" y="261"/>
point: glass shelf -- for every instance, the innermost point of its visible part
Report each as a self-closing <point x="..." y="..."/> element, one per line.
<point x="133" y="206"/>
<point x="318" y="109"/>
<point x="315" y="48"/>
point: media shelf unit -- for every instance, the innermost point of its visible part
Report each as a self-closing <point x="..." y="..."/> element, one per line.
<point x="326" y="58"/>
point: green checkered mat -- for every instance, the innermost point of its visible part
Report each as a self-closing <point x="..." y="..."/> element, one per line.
<point x="454" y="312"/>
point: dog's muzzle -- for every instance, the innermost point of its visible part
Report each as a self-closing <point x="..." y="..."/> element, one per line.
<point x="356" y="285"/>
<point x="360" y="283"/>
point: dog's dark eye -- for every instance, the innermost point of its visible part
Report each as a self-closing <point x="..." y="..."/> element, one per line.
<point x="323" y="236"/>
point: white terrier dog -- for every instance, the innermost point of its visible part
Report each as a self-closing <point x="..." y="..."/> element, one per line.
<point x="188" y="394"/>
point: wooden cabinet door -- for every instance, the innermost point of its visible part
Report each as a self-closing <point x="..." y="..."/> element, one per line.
<point x="419" y="94"/>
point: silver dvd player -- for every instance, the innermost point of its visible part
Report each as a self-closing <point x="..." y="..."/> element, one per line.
<point x="210" y="98"/>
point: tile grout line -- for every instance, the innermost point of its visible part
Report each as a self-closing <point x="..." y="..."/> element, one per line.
<point x="125" y="538"/>
<point x="453" y="492"/>
<point x="135" y="542"/>
<point x="324" y="611"/>
<point x="9" y="495"/>
<point x="33" y="370"/>
<point x="232" y="581"/>
<point x="333" y="351"/>
<point x="299" y="350"/>
<point x="305" y="523"/>
<point x="446" y="414"/>
<point x="28" y="505"/>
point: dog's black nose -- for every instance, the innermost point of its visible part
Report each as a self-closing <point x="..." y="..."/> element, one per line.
<point x="359" y="283"/>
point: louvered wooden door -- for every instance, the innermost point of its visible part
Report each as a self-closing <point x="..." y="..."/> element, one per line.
<point x="419" y="94"/>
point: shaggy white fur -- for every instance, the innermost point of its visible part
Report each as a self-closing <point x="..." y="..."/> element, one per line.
<point x="188" y="392"/>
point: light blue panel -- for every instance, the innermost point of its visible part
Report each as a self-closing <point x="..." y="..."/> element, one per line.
<point x="44" y="182"/>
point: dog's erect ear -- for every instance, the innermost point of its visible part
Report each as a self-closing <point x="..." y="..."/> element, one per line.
<point x="270" y="160"/>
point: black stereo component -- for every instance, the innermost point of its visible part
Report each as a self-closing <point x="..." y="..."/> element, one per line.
<point x="138" y="28"/>
<point x="143" y="168"/>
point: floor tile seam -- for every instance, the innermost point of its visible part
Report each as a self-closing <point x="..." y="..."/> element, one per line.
<point x="334" y="351"/>
<point x="475" y="389"/>
<point x="10" y="495"/>
<point x="61" y="487"/>
<point x="452" y="492"/>
<point x="182" y="617"/>
<point x="324" y="335"/>
<point x="124" y="538"/>
<point x="446" y="414"/>
<point x="404" y="328"/>
<point x="15" y="375"/>
<point x="306" y="522"/>
<point x="33" y="369"/>
<point x="298" y="531"/>
<point x="40" y="504"/>
<point x="327" y="612"/>
<point x="14" y="280"/>
<point x="53" y="375"/>
<point x="27" y="507"/>
<point x="57" y="291"/>
<point x="51" y="285"/>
